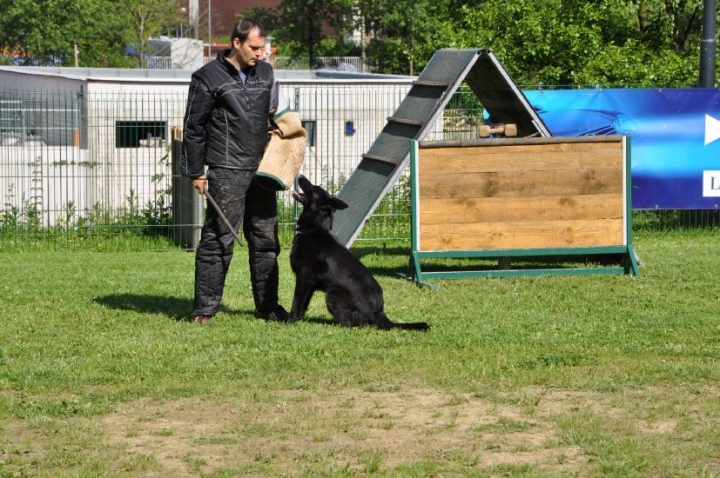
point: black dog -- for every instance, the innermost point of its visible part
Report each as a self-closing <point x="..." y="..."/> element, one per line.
<point x="353" y="296"/>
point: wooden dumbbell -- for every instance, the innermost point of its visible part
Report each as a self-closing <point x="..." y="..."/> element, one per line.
<point x="508" y="130"/>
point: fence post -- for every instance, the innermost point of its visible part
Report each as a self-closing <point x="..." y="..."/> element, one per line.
<point x="187" y="206"/>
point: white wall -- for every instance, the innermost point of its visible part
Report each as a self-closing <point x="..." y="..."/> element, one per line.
<point x="96" y="171"/>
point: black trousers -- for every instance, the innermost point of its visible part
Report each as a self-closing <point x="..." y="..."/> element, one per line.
<point x="244" y="202"/>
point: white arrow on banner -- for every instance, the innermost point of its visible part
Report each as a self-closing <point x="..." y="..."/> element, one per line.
<point x="712" y="129"/>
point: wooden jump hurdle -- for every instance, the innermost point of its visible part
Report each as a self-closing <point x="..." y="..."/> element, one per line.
<point x="523" y="199"/>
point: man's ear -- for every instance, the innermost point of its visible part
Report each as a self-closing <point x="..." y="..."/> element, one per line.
<point x="338" y="203"/>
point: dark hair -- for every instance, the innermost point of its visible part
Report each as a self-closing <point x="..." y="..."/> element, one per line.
<point x="243" y="27"/>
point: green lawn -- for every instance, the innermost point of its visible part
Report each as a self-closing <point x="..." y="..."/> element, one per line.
<point x="102" y="375"/>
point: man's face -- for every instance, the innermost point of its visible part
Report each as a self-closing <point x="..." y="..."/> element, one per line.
<point x="251" y="50"/>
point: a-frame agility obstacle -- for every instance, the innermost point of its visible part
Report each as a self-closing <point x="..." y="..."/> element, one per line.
<point x="390" y="153"/>
<point x="522" y="198"/>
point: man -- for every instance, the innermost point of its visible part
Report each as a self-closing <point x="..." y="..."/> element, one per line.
<point x="225" y="134"/>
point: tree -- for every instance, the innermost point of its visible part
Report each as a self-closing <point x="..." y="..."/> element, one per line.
<point x="36" y="30"/>
<point x="301" y="27"/>
<point x="48" y="31"/>
<point x="564" y="42"/>
<point x="149" y="18"/>
<point x="553" y="42"/>
<point x="405" y="33"/>
<point x="101" y="34"/>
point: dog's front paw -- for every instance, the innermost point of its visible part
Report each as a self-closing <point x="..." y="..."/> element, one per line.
<point x="278" y="314"/>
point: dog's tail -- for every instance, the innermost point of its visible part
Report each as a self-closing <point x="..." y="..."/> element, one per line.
<point x="386" y="324"/>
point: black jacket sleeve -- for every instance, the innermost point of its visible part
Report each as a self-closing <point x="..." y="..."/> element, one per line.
<point x="199" y="107"/>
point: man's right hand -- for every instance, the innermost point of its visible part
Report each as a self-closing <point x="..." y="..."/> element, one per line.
<point x="199" y="183"/>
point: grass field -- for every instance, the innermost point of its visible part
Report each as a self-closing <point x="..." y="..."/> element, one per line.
<point x="102" y="375"/>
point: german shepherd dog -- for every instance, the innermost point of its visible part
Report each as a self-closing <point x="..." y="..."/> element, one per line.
<point x="320" y="262"/>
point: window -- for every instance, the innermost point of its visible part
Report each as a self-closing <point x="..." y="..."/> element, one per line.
<point x="134" y="134"/>
<point x="310" y="127"/>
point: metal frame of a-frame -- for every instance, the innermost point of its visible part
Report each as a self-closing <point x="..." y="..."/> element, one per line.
<point x="389" y="155"/>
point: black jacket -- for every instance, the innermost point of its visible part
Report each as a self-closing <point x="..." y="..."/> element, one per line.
<point x="226" y="120"/>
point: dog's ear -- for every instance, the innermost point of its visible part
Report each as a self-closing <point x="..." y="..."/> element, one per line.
<point x="338" y="203"/>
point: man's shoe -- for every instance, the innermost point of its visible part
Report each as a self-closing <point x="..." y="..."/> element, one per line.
<point x="278" y="314"/>
<point x="202" y="319"/>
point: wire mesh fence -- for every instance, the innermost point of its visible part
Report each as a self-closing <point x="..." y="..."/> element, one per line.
<point x="339" y="63"/>
<point x="100" y="168"/>
<point x="81" y="167"/>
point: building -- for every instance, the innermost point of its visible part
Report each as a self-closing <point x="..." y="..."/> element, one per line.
<point x="224" y="12"/>
<point x="87" y="139"/>
<point x="212" y="19"/>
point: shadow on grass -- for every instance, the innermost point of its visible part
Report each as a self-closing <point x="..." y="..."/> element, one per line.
<point x="173" y="307"/>
<point x="403" y="254"/>
<point x="308" y="319"/>
<point x="320" y="321"/>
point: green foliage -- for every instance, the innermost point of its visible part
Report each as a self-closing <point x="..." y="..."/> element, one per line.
<point x="633" y="65"/>
<point x="330" y="46"/>
<point x="554" y="42"/>
<point x="146" y="19"/>
<point x="21" y="227"/>
<point x="578" y="42"/>
<point x="31" y="27"/>
<point x="301" y="26"/>
<point x="47" y="31"/>
<point x="404" y="34"/>
<point x="101" y="33"/>
<point x="391" y="219"/>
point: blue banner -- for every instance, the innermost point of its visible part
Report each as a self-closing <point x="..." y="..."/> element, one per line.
<point x="675" y="138"/>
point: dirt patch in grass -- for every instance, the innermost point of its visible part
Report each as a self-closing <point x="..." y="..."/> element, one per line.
<point x="290" y="432"/>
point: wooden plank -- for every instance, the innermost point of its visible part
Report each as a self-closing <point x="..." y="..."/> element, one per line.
<point x="522" y="183"/>
<point x="493" y="142"/>
<point x="492" y="160"/>
<point x="514" y="210"/>
<point x="522" y="144"/>
<point x="524" y="235"/>
<point x="538" y="195"/>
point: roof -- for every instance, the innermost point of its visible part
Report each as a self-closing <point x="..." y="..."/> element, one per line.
<point x="180" y="76"/>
